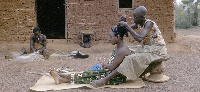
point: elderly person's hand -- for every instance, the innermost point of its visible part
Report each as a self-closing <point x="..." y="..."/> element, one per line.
<point x="122" y="23"/>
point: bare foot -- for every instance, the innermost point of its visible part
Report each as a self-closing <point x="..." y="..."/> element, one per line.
<point x="55" y="76"/>
<point x="97" y="83"/>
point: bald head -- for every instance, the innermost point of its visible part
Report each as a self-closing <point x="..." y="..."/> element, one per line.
<point x="141" y="10"/>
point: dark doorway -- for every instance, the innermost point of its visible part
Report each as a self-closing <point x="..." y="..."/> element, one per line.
<point x="51" y="18"/>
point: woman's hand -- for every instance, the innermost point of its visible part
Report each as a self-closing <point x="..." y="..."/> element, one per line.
<point x="104" y="65"/>
<point x="122" y="23"/>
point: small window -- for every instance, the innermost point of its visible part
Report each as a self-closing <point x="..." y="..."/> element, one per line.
<point x="126" y="4"/>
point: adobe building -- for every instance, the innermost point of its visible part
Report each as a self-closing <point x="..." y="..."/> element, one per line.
<point x="63" y="19"/>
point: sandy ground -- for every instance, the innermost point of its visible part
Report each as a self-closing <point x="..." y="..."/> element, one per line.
<point x="183" y="67"/>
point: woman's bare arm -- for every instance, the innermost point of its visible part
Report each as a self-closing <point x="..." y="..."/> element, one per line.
<point x="31" y="44"/>
<point x="44" y="43"/>
<point x="134" y="26"/>
<point x="144" y="31"/>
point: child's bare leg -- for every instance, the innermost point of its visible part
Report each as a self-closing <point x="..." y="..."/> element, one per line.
<point x="57" y="78"/>
<point x="101" y="82"/>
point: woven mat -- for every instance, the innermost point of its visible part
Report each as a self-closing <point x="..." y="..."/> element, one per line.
<point x="46" y="82"/>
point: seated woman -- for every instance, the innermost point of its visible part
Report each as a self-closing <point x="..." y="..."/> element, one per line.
<point x="109" y="74"/>
<point x="151" y="53"/>
<point x="142" y="58"/>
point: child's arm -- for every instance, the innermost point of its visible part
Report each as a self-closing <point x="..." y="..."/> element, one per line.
<point x="44" y="43"/>
<point x="31" y="44"/>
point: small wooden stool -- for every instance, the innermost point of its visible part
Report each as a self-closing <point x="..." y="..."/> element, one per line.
<point x="85" y="41"/>
<point x="154" y="73"/>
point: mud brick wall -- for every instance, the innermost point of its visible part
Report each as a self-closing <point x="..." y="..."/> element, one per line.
<point x="162" y="12"/>
<point x="17" y="19"/>
<point x="101" y="15"/>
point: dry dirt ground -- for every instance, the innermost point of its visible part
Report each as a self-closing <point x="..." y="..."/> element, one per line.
<point x="183" y="67"/>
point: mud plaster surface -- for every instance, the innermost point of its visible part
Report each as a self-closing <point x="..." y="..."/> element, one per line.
<point x="183" y="67"/>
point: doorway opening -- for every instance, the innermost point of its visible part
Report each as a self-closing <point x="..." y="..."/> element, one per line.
<point x="50" y="17"/>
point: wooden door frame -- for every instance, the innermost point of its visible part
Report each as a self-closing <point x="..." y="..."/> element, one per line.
<point x="36" y="22"/>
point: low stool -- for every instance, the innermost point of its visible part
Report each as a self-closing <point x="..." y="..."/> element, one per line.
<point x="154" y="73"/>
<point x="85" y="40"/>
